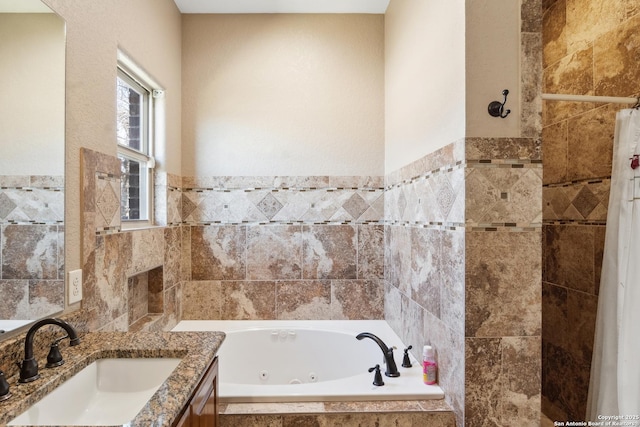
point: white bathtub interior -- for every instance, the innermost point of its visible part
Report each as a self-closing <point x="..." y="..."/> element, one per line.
<point x="309" y="360"/>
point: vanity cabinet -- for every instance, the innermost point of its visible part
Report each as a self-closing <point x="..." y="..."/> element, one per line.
<point x="202" y="409"/>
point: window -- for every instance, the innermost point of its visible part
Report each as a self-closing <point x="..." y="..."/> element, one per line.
<point x="135" y="149"/>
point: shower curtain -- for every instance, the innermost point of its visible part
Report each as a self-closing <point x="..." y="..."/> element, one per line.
<point x="614" y="388"/>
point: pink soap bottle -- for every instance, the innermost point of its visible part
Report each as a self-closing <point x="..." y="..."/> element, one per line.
<point x="429" y="366"/>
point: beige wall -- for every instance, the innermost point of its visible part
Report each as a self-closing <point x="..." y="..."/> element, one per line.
<point x="95" y="30"/>
<point x="283" y="95"/>
<point x="32" y="88"/>
<point x="436" y="93"/>
<point x="424" y="78"/>
<point x="492" y="51"/>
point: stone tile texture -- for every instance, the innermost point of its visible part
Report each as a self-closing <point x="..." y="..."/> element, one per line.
<point x="589" y="48"/>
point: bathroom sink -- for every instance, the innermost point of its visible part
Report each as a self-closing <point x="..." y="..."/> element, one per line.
<point x="106" y="392"/>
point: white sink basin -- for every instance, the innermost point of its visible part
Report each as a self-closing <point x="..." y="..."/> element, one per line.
<point x="107" y="392"/>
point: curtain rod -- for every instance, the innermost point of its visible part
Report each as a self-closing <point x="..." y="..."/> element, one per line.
<point x="589" y="98"/>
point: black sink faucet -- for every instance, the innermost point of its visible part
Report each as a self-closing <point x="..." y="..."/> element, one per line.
<point x="392" y="369"/>
<point x="29" y="366"/>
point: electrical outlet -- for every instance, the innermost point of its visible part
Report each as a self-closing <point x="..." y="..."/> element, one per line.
<point x="75" y="286"/>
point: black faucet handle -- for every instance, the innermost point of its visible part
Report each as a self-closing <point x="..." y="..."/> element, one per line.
<point x="406" y="361"/>
<point x="377" y="377"/>
<point x="5" y="393"/>
<point x="54" y="358"/>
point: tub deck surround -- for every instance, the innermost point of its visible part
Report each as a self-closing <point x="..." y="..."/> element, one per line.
<point x="196" y="349"/>
<point x="263" y="406"/>
<point x="310" y="360"/>
<point x="410" y="413"/>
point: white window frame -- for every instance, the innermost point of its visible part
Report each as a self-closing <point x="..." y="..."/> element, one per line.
<point x="137" y="78"/>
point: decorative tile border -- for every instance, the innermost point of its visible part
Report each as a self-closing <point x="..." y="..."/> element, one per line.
<point x="489" y="195"/>
<point x="581" y="201"/>
<point x="514" y="228"/>
<point x="430" y="225"/>
<point x="282" y="205"/>
<point x="426" y="175"/>
<point x="505" y="163"/>
<point x="283" y="182"/>
<point x="31" y="199"/>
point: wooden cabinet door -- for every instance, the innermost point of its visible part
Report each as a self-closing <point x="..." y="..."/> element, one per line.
<point x="202" y="409"/>
<point x="185" y="419"/>
<point x="204" y="405"/>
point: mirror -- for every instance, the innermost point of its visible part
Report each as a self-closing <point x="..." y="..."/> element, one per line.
<point x="32" y="115"/>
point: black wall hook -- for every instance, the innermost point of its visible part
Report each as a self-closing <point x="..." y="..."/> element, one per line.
<point x="496" y="108"/>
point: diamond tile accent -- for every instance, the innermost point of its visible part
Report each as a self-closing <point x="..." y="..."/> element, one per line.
<point x="355" y="206"/>
<point x="577" y="201"/>
<point x="445" y="197"/>
<point x="585" y="201"/>
<point x="269" y="206"/>
<point x="6" y="206"/>
<point x="107" y="203"/>
<point x="313" y="205"/>
<point x="187" y="207"/>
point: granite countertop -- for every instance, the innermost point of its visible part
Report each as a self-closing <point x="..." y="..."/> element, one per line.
<point x="196" y="349"/>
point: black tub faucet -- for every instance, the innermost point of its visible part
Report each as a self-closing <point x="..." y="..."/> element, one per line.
<point x="29" y="366"/>
<point x="392" y="369"/>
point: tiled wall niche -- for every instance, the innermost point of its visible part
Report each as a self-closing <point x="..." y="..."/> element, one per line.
<point x="145" y="296"/>
<point x="588" y="50"/>
<point x="31" y="246"/>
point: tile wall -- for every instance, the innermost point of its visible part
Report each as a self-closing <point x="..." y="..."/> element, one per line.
<point x="284" y="247"/>
<point x="462" y="272"/>
<point x="502" y="283"/>
<point x="589" y="49"/>
<point x="31" y="246"/>
<point x="116" y="263"/>
<point x="232" y="248"/>
<point x="425" y="262"/>
<point x="463" y="258"/>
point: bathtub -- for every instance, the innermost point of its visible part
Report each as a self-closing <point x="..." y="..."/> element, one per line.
<point x="309" y="360"/>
